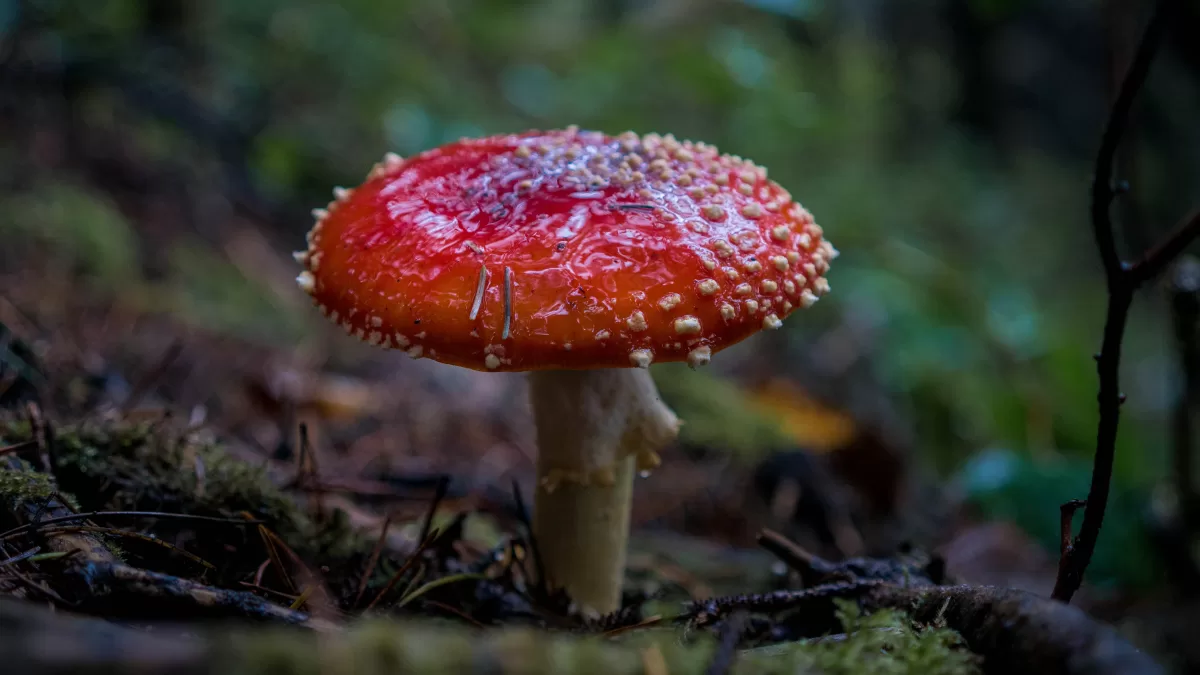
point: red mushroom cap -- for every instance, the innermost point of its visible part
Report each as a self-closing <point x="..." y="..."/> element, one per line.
<point x="564" y="249"/>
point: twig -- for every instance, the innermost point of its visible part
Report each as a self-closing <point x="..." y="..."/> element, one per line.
<point x="809" y="566"/>
<point x="455" y="611"/>
<point x="43" y="436"/>
<point x="1066" y="515"/>
<point x="307" y="472"/>
<point x="269" y="542"/>
<point x="41" y="588"/>
<point x="301" y="577"/>
<point x="302" y="598"/>
<point x="1122" y="279"/>
<point x="372" y="561"/>
<point x="452" y="579"/>
<point x="708" y="611"/>
<point x="118" y="580"/>
<point x="412" y="559"/>
<point x="1185" y="313"/>
<point x="304" y="467"/>
<point x="508" y="284"/>
<point x="534" y="551"/>
<point x="439" y="494"/>
<point x="125" y="514"/>
<point x="269" y="591"/>
<point x="728" y="638"/>
<point x="114" y="532"/>
<point x="20" y="556"/>
<point x="644" y="623"/>
<point x="479" y="289"/>
<point x="16" y="447"/>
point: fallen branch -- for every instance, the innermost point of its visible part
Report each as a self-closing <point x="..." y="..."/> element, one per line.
<point x="1018" y="632"/>
<point x="1012" y="630"/>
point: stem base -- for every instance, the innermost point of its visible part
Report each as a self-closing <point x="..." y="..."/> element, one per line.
<point x="595" y="428"/>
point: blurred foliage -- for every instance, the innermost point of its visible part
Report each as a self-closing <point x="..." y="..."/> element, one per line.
<point x="87" y="232"/>
<point x="720" y="415"/>
<point x="81" y="226"/>
<point x="969" y="257"/>
<point x="1005" y="486"/>
<point x="717" y="415"/>
<point x="950" y="249"/>
<point x="206" y="289"/>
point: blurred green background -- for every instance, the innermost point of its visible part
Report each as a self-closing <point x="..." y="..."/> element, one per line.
<point x="945" y="146"/>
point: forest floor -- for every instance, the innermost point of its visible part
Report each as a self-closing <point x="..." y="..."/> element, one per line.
<point x="155" y="469"/>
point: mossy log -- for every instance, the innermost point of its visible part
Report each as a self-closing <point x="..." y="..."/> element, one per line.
<point x="1015" y="631"/>
<point x="37" y="642"/>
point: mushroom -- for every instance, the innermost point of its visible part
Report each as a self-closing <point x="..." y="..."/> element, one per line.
<point x="581" y="258"/>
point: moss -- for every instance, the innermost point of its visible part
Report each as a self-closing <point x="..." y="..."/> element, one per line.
<point x="434" y="648"/>
<point x="21" y="484"/>
<point x="18" y="486"/>
<point x="145" y="467"/>
<point x="885" y="642"/>
<point x="119" y="465"/>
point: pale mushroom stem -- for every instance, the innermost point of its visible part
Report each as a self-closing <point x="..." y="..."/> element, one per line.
<point x="595" y="428"/>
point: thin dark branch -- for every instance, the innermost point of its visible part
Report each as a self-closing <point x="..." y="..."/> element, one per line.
<point x="1103" y="191"/>
<point x="1156" y="260"/>
<point x="1123" y="281"/>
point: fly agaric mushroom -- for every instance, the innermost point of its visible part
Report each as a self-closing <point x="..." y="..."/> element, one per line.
<point x="580" y="258"/>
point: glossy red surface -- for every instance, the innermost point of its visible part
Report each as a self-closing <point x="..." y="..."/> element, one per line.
<point x="617" y="249"/>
